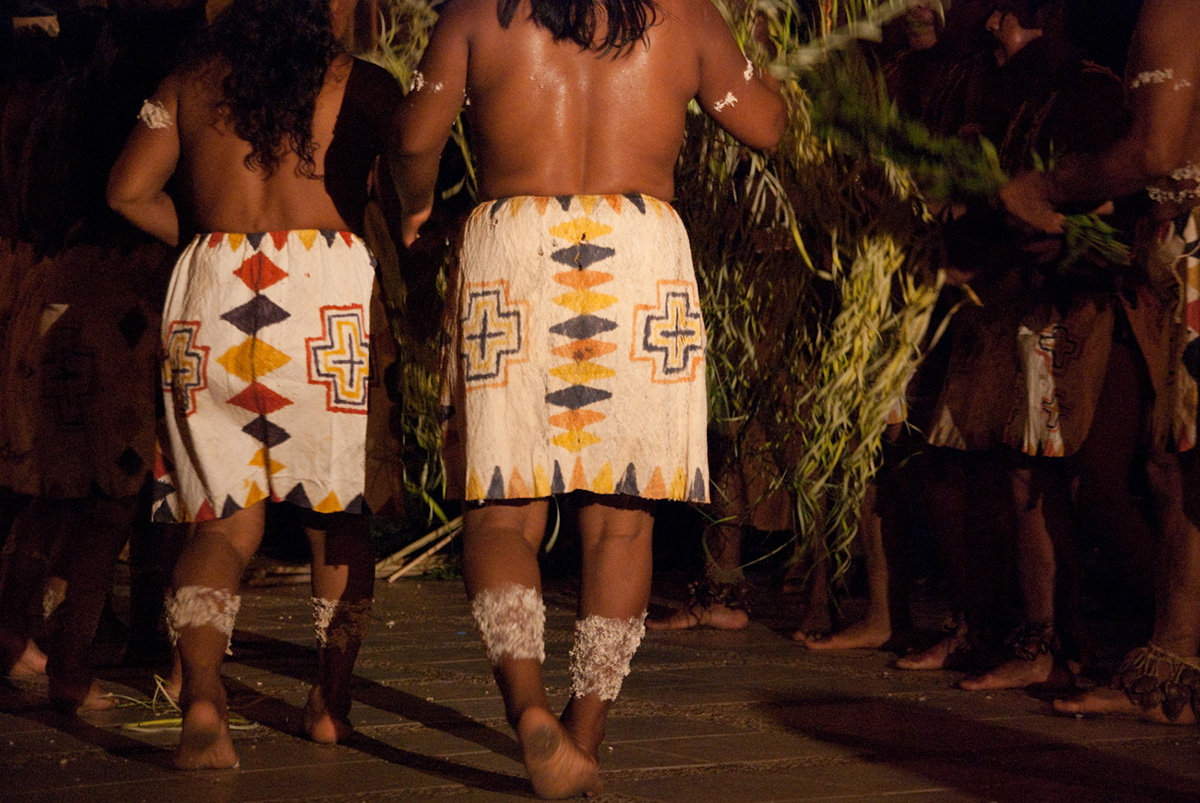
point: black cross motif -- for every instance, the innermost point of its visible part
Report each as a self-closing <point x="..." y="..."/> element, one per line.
<point x="674" y="333"/>
<point x="1057" y="344"/>
<point x="491" y="333"/>
<point x="1054" y="410"/>
<point x="353" y="362"/>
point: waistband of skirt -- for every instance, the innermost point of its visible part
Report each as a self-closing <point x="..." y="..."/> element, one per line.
<point x="279" y="239"/>
<point x="564" y="203"/>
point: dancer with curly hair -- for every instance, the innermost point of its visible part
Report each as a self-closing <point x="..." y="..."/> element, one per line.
<point x="271" y="131"/>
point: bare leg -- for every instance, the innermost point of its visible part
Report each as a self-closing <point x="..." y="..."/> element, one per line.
<point x="968" y="510"/>
<point x="723" y="570"/>
<point x="504" y="584"/>
<point x="876" y="628"/>
<point x="816" y="619"/>
<point x="1177" y="611"/>
<point x="100" y="527"/>
<point x="23" y="573"/>
<point x="617" y="567"/>
<point x="1036" y="570"/>
<point x="209" y="572"/>
<point x="343" y="579"/>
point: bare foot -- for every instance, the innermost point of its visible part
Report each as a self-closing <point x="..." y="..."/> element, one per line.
<point x="934" y="658"/>
<point x="814" y="624"/>
<point x="858" y="636"/>
<point x="204" y="743"/>
<point x="76" y="698"/>
<point x="1114" y="702"/>
<point x="30" y="663"/>
<point x="320" y="723"/>
<point x="716" y="616"/>
<point x="1019" y="673"/>
<point x="557" y="767"/>
<point x="19" y="656"/>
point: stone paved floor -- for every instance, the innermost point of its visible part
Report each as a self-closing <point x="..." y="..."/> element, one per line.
<point x="706" y="716"/>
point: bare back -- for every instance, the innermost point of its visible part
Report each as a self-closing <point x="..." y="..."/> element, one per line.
<point x="549" y="118"/>
<point x="226" y="195"/>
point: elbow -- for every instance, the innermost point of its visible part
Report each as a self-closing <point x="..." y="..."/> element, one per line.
<point x="118" y="200"/>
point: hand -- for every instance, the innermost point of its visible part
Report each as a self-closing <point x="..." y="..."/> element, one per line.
<point x="1027" y="198"/>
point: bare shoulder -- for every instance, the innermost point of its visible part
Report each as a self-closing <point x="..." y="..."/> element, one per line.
<point x="464" y="15"/>
<point x="698" y="19"/>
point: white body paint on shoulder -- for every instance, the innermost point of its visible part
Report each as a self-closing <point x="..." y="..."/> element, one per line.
<point x="154" y="114"/>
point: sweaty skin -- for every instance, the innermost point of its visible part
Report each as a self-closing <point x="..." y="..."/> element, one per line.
<point x="549" y="119"/>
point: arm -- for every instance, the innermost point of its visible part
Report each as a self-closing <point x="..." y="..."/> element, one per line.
<point x="423" y="121"/>
<point x="740" y="97"/>
<point x="1164" y="94"/>
<point x="136" y="185"/>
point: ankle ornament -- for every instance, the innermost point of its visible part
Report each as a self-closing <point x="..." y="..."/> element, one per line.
<point x="602" y="652"/>
<point x="1032" y="639"/>
<point x="710" y="591"/>
<point x="511" y="621"/>
<point x="1151" y="676"/>
<point x="200" y="606"/>
<point x="339" y="624"/>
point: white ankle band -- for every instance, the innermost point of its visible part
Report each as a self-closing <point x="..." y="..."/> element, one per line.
<point x="512" y="622"/>
<point x="199" y="606"/>
<point x="602" y="652"/>
<point x="339" y="623"/>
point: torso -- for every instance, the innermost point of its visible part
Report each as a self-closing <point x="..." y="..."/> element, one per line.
<point x="226" y="196"/>
<point x="580" y="141"/>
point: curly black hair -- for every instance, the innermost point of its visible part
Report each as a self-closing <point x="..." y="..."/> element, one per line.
<point x="277" y="53"/>
<point x="575" y="20"/>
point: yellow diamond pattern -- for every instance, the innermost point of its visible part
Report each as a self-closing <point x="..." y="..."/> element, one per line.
<point x="580" y="373"/>
<point x="678" y="489"/>
<point x="580" y="229"/>
<point x="474" y="486"/>
<point x="252" y="359"/>
<point x="541" y="483"/>
<point x="585" y="301"/>
<point x="603" y="483"/>
<point x="574" y="440"/>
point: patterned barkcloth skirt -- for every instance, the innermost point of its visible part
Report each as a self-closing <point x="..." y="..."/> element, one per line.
<point x="1029" y="374"/>
<point x="576" y="353"/>
<point x="265" y="375"/>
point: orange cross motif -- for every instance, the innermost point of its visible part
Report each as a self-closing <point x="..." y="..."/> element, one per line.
<point x="340" y="359"/>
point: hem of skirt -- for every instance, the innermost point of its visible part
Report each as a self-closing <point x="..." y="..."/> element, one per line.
<point x="165" y="512"/>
